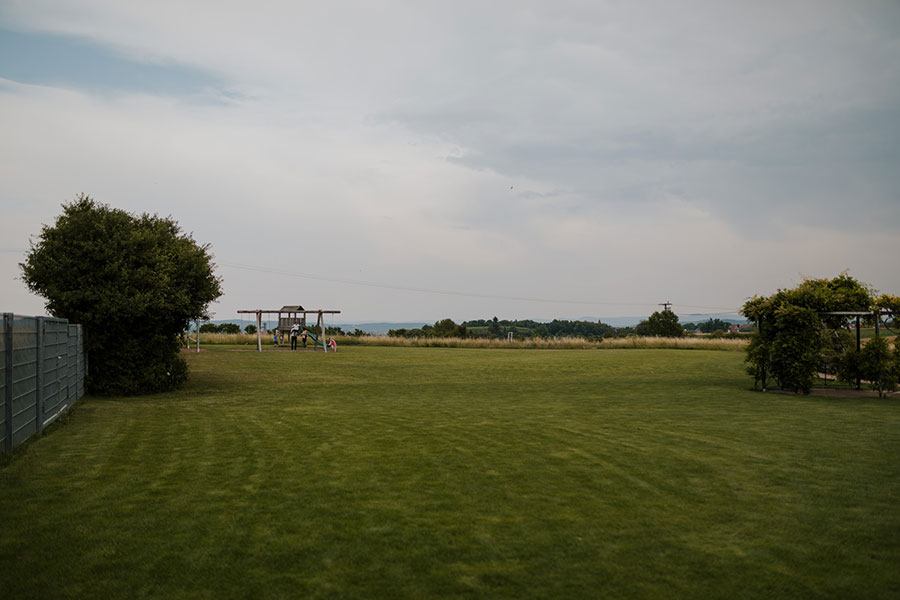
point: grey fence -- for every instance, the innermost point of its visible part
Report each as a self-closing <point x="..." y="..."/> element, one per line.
<point x="42" y="368"/>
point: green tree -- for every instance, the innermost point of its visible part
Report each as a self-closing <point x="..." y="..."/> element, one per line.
<point x="890" y="303"/>
<point x="448" y="328"/>
<point x="494" y="327"/>
<point x="133" y="282"/>
<point x="250" y="329"/>
<point x="711" y="325"/>
<point x="661" y="323"/>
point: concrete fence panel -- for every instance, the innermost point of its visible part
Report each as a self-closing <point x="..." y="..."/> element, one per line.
<point x="55" y="358"/>
<point x="4" y="367"/>
<point x="43" y="369"/>
<point x="24" y="378"/>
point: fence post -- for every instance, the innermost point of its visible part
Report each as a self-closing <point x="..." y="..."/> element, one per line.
<point x="7" y="405"/>
<point x="71" y="364"/>
<point x="39" y="375"/>
<point x="858" y="346"/>
<point x="82" y="363"/>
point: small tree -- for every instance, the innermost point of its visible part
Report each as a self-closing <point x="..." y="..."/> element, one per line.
<point x="250" y="329"/>
<point x="877" y="365"/>
<point x="133" y="282"/>
<point x="494" y="327"/>
<point x="661" y="323"/>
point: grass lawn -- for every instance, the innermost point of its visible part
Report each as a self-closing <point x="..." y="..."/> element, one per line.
<point x="430" y="472"/>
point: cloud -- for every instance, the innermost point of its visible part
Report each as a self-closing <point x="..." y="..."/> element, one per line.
<point x="602" y="150"/>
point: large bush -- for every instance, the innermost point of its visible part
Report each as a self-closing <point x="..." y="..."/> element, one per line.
<point x="133" y="282"/>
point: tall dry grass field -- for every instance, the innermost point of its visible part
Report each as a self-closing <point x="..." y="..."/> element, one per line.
<point x="566" y="343"/>
<point x="237" y="339"/>
<point x="562" y="343"/>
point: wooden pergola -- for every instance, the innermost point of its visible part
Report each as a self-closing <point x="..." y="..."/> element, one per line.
<point x="294" y="314"/>
<point x="874" y="314"/>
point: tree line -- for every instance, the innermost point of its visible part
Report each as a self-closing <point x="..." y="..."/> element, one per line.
<point x="501" y="328"/>
<point x="663" y="323"/>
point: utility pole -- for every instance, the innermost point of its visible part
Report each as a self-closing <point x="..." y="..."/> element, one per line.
<point x="665" y="305"/>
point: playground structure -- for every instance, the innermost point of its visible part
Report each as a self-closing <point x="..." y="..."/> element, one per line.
<point x="288" y="316"/>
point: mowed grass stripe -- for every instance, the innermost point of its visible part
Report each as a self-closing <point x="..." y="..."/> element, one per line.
<point x="416" y="472"/>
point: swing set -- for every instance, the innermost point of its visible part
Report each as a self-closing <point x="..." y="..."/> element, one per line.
<point x="291" y="315"/>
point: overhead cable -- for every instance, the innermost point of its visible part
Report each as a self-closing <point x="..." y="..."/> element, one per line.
<point x="374" y="284"/>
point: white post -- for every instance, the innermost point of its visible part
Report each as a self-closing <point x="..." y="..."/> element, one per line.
<point x="258" y="330"/>
<point x="322" y="330"/>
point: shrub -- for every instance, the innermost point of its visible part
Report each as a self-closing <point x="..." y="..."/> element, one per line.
<point x="795" y="348"/>
<point x="133" y="282"/>
<point x="879" y="366"/>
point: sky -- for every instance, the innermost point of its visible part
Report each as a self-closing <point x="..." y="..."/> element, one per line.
<point x="406" y="161"/>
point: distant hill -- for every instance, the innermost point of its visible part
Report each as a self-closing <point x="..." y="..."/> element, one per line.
<point x="383" y="327"/>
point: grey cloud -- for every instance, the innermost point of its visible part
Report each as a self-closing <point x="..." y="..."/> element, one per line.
<point x="762" y="115"/>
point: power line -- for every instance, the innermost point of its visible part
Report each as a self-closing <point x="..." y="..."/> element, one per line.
<point x="374" y="284"/>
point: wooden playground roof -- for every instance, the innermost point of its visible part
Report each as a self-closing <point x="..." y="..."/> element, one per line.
<point x="290" y="309"/>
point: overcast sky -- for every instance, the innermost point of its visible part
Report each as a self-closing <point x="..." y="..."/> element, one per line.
<point x="422" y="160"/>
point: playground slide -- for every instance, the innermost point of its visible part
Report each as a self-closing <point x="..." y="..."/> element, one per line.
<point x="316" y="340"/>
